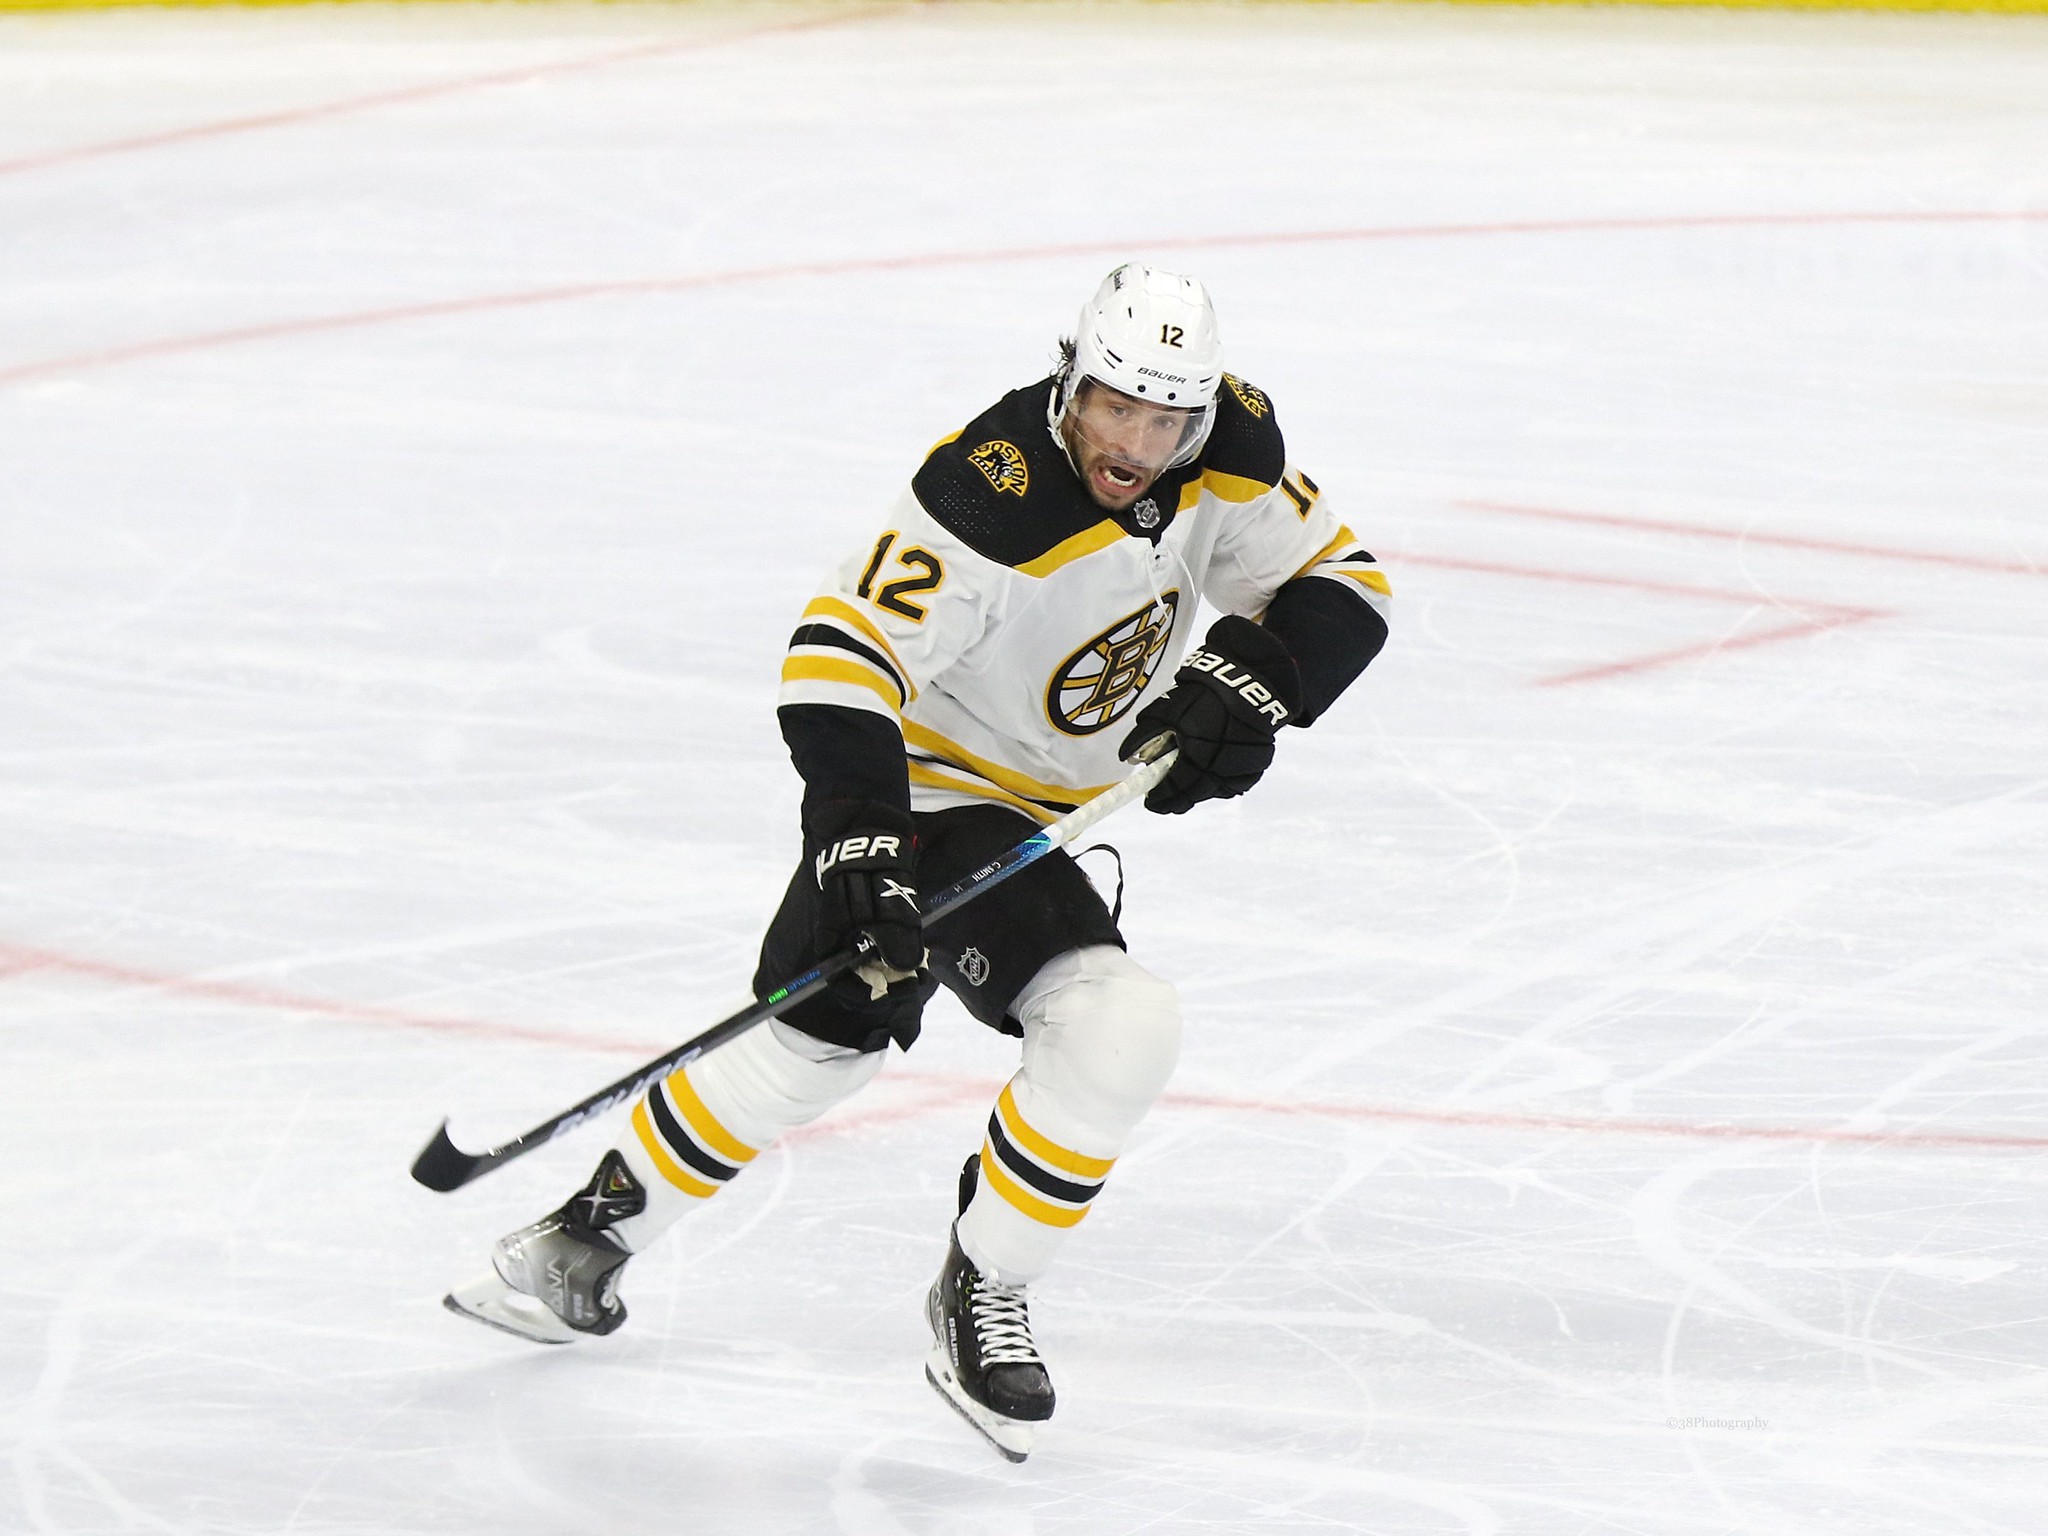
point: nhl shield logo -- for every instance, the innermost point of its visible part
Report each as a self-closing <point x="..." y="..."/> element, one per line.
<point x="1002" y="465"/>
<point x="1147" y="513"/>
<point x="973" y="965"/>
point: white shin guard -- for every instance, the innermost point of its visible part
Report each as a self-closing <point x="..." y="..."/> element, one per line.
<point x="694" y="1132"/>
<point x="1101" y="1036"/>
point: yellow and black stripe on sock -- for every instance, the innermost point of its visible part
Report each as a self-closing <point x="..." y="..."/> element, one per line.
<point x="685" y="1141"/>
<point x="1049" y="1183"/>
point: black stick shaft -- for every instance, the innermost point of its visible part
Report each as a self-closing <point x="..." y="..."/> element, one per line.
<point x="443" y="1166"/>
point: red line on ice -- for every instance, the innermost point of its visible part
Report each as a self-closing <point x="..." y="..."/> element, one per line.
<point x="81" y="362"/>
<point x="287" y="117"/>
<point x="17" y="960"/>
<point x="946" y="1089"/>
<point x="1817" y="616"/>
<point x="938" y="1093"/>
<point x="1702" y="649"/>
<point x="1613" y="1125"/>
<point x="1635" y="583"/>
<point x="1776" y="540"/>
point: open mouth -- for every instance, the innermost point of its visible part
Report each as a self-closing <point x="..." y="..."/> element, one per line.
<point x="1120" y="478"/>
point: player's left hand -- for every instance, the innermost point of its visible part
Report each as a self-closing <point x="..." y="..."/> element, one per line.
<point x="1227" y="701"/>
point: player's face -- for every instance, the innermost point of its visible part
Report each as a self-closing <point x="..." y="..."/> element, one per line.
<point x="1120" y="443"/>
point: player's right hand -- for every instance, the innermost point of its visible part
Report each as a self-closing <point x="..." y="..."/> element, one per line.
<point x="867" y="886"/>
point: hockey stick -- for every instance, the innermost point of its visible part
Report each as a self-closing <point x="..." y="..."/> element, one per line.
<point x="443" y="1166"/>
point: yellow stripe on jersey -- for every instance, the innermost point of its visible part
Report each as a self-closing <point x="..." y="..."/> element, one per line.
<point x="1025" y="1201"/>
<point x="1365" y="576"/>
<point x="1377" y="580"/>
<point x="671" y="1170"/>
<point x="950" y="437"/>
<point x="1344" y="536"/>
<point x="1008" y="778"/>
<point x="1048" y="1152"/>
<point x="829" y="607"/>
<point x="1232" y="487"/>
<point x="931" y="778"/>
<point x="834" y="669"/>
<point x="1086" y="542"/>
<point x="704" y="1123"/>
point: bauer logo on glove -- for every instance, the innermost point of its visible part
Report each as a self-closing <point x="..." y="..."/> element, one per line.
<point x="866" y="869"/>
<point x="1241" y="683"/>
<point x="878" y="848"/>
<point x="1227" y="701"/>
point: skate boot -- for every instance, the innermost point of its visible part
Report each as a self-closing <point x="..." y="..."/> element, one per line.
<point x="557" y="1280"/>
<point x="983" y="1360"/>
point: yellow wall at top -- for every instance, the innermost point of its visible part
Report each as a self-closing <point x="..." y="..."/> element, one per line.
<point x="2006" y="7"/>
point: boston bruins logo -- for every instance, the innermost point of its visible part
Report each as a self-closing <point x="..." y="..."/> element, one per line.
<point x="1250" y="396"/>
<point x="1002" y="464"/>
<point x="1097" y="685"/>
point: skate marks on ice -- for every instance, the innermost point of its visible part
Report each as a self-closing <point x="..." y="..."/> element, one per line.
<point x="1746" y="534"/>
<point x="524" y="74"/>
<point x="1504" y="1305"/>
<point x="66" y="366"/>
<point x="1977" y="1399"/>
<point x="43" y="1457"/>
<point x="1786" y="616"/>
<point x="906" y="1092"/>
<point x="1620" y="957"/>
<point x="1720" y="915"/>
<point x="1810" y="616"/>
<point x="1152" y="1344"/>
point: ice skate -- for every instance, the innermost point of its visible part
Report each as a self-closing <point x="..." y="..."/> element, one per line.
<point x="557" y="1280"/>
<point x="983" y="1360"/>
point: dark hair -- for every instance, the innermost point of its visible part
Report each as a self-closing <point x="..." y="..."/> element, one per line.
<point x="1067" y="352"/>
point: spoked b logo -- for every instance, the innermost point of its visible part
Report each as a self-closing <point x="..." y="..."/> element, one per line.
<point x="1097" y="685"/>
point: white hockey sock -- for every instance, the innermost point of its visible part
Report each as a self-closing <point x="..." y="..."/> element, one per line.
<point x="694" y="1131"/>
<point x="1101" y="1036"/>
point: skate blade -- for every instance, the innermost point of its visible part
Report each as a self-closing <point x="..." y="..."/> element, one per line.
<point x="1012" y="1438"/>
<point x="495" y="1304"/>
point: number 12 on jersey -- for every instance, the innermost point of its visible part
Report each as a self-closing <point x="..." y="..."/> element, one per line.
<point x="894" y="595"/>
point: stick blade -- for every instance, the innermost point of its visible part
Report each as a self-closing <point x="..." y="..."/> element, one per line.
<point x="443" y="1166"/>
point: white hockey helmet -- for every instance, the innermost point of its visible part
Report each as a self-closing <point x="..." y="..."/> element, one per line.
<point x="1151" y="334"/>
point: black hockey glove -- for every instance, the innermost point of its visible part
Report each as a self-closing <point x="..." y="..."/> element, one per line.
<point x="1227" y="701"/>
<point x="866" y="868"/>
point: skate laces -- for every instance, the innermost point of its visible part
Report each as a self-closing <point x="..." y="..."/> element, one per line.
<point x="1002" y="1325"/>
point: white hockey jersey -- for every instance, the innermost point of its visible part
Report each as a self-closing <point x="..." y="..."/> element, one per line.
<point x="1011" y="626"/>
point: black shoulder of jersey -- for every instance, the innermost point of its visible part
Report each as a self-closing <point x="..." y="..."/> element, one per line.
<point x="1246" y="439"/>
<point x="1003" y="487"/>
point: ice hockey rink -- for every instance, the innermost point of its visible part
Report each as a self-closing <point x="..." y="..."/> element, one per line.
<point x="1614" y="1095"/>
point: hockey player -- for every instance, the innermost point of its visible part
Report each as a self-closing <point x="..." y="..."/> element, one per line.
<point x="992" y="660"/>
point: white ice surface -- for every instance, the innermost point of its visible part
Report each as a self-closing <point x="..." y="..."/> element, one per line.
<point x="385" y="729"/>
